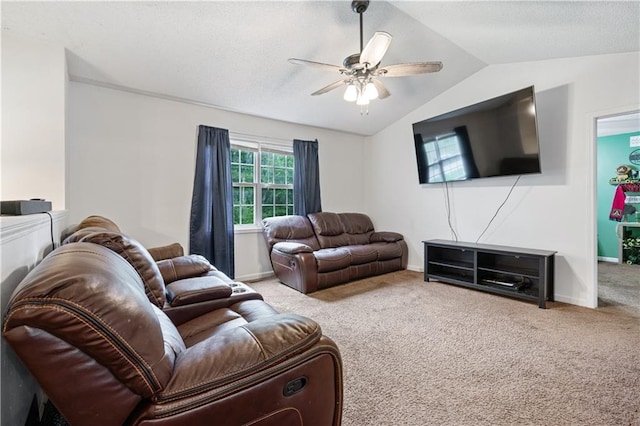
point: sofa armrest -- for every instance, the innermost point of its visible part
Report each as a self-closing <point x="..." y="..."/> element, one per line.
<point x="238" y="353"/>
<point x="181" y="267"/>
<point x="385" y="237"/>
<point x="166" y="252"/>
<point x="292" y="248"/>
<point x="198" y="289"/>
<point x="298" y="271"/>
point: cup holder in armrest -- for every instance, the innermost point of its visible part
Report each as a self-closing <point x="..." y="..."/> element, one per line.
<point x="239" y="289"/>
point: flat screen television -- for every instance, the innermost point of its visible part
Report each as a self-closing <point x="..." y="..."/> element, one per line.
<point x="496" y="137"/>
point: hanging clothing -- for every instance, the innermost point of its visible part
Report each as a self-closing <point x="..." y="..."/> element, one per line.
<point x="617" y="208"/>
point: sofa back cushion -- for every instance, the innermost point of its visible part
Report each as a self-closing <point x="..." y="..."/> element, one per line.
<point x="96" y="221"/>
<point x="357" y="226"/>
<point x="94" y="302"/>
<point x="290" y="228"/>
<point x="328" y="229"/>
<point x="134" y="253"/>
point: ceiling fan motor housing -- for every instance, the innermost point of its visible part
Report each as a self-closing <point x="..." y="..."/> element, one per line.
<point x="352" y="61"/>
<point x="359" y="6"/>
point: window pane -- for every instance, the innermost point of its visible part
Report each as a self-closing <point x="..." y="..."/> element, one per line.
<point x="235" y="173"/>
<point x="290" y="196"/>
<point x="246" y="174"/>
<point x="279" y="176"/>
<point x="280" y="211"/>
<point x="235" y="155"/>
<point x="267" y="175"/>
<point x="289" y="177"/>
<point x="247" y="215"/>
<point x="290" y="209"/>
<point x="280" y="160"/>
<point x="267" y="196"/>
<point x="266" y="158"/>
<point x="247" y="196"/>
<point x="236" y="215"/>
<point x="267" y="211"/>
<point x="290" y="161"/>
<point x="246" y="157"/>
<point x="236" y="195"/>
<point x="281" y="196"/>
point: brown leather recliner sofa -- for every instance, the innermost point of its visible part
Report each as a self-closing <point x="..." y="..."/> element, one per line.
<point x="324" y="249"/>
<point x="112" y="343"/>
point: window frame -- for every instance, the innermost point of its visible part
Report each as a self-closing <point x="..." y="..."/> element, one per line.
<point x="442" y="163"/>
<point x="258" y="146"/>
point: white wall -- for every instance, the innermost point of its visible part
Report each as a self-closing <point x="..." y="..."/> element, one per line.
<point x="132" y="159"/>
<point x="24" y="241"/>
<point x="553" y="210"/>
<point x="34" y="79"/>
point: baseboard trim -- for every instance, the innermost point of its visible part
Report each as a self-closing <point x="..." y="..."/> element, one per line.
<point x="415" y="268"/>
<point x="255" y="277"/>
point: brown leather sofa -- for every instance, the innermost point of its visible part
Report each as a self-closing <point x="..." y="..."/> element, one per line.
<point x="111" y="343"/>
<point x="320" y="250"/>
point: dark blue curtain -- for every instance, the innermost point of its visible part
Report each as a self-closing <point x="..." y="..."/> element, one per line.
<point x="211" y="226"/>
<point x="306" y="178"/>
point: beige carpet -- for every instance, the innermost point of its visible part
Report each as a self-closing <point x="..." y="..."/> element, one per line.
<point x="417" y="353"/>
<point x="619" y="285"/>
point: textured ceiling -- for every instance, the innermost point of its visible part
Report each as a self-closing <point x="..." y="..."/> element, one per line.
<point x="233" y="54"/>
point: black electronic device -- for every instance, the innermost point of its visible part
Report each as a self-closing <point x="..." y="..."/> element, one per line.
<point x="23" y="207"/>
<point x="496" y="137"/>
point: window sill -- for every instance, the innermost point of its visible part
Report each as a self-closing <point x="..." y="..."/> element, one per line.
<point x="247" y="229"/>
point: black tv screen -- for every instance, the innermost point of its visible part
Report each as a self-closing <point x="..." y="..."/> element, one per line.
<point x="496" y="137"/>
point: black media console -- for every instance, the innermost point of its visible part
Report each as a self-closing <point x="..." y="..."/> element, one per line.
<point x="516" y="272"/>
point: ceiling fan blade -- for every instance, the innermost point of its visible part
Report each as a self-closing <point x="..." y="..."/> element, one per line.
<point x="329" y="87"/>
<point x="411" y="68"/>
<point x="375" y="49"/>
<point x="316" y="64"/>
<point x="382" y="90"/>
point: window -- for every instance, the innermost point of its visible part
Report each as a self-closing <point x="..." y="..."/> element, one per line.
<point x="444" y="158"/>
<point x="262" y="182"/>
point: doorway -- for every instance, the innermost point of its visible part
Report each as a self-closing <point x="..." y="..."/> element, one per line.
<point x="617" y="139"/>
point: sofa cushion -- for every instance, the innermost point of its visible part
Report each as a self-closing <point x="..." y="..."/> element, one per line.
<point x="387" y="251"/>
<point x="386" y="236"/>
<point x="221" y="320"/>
<point x="79" y="234"/>
<point x="293" y="229"/>
<point x="197" y="289"/>
<point x="98" y="222"/>
<point x="357" y="226"/>
<point x="166" y="252"/>
<point x="182" y="267"/>
<point x="362" y="253"/>
<point x="90" y="298"/>
<point x="134" y="253"/>
<point x="328" y="229"/>
<point x="332" y="259"/>
<point x="292" y="248"/>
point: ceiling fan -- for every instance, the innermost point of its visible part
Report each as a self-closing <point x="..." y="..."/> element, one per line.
<point x="361" y="71"/>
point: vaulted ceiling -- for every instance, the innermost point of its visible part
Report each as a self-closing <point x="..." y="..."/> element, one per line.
<point x="233" y="54"/>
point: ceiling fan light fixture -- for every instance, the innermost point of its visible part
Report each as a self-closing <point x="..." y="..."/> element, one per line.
<point x="370" y="91"/>
<point x="362" y="72"/>
<point x="351" y="94"/>
<point x="362" y="100"/>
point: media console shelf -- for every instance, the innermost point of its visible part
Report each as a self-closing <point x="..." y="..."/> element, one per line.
<point x="509" y="271"/>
